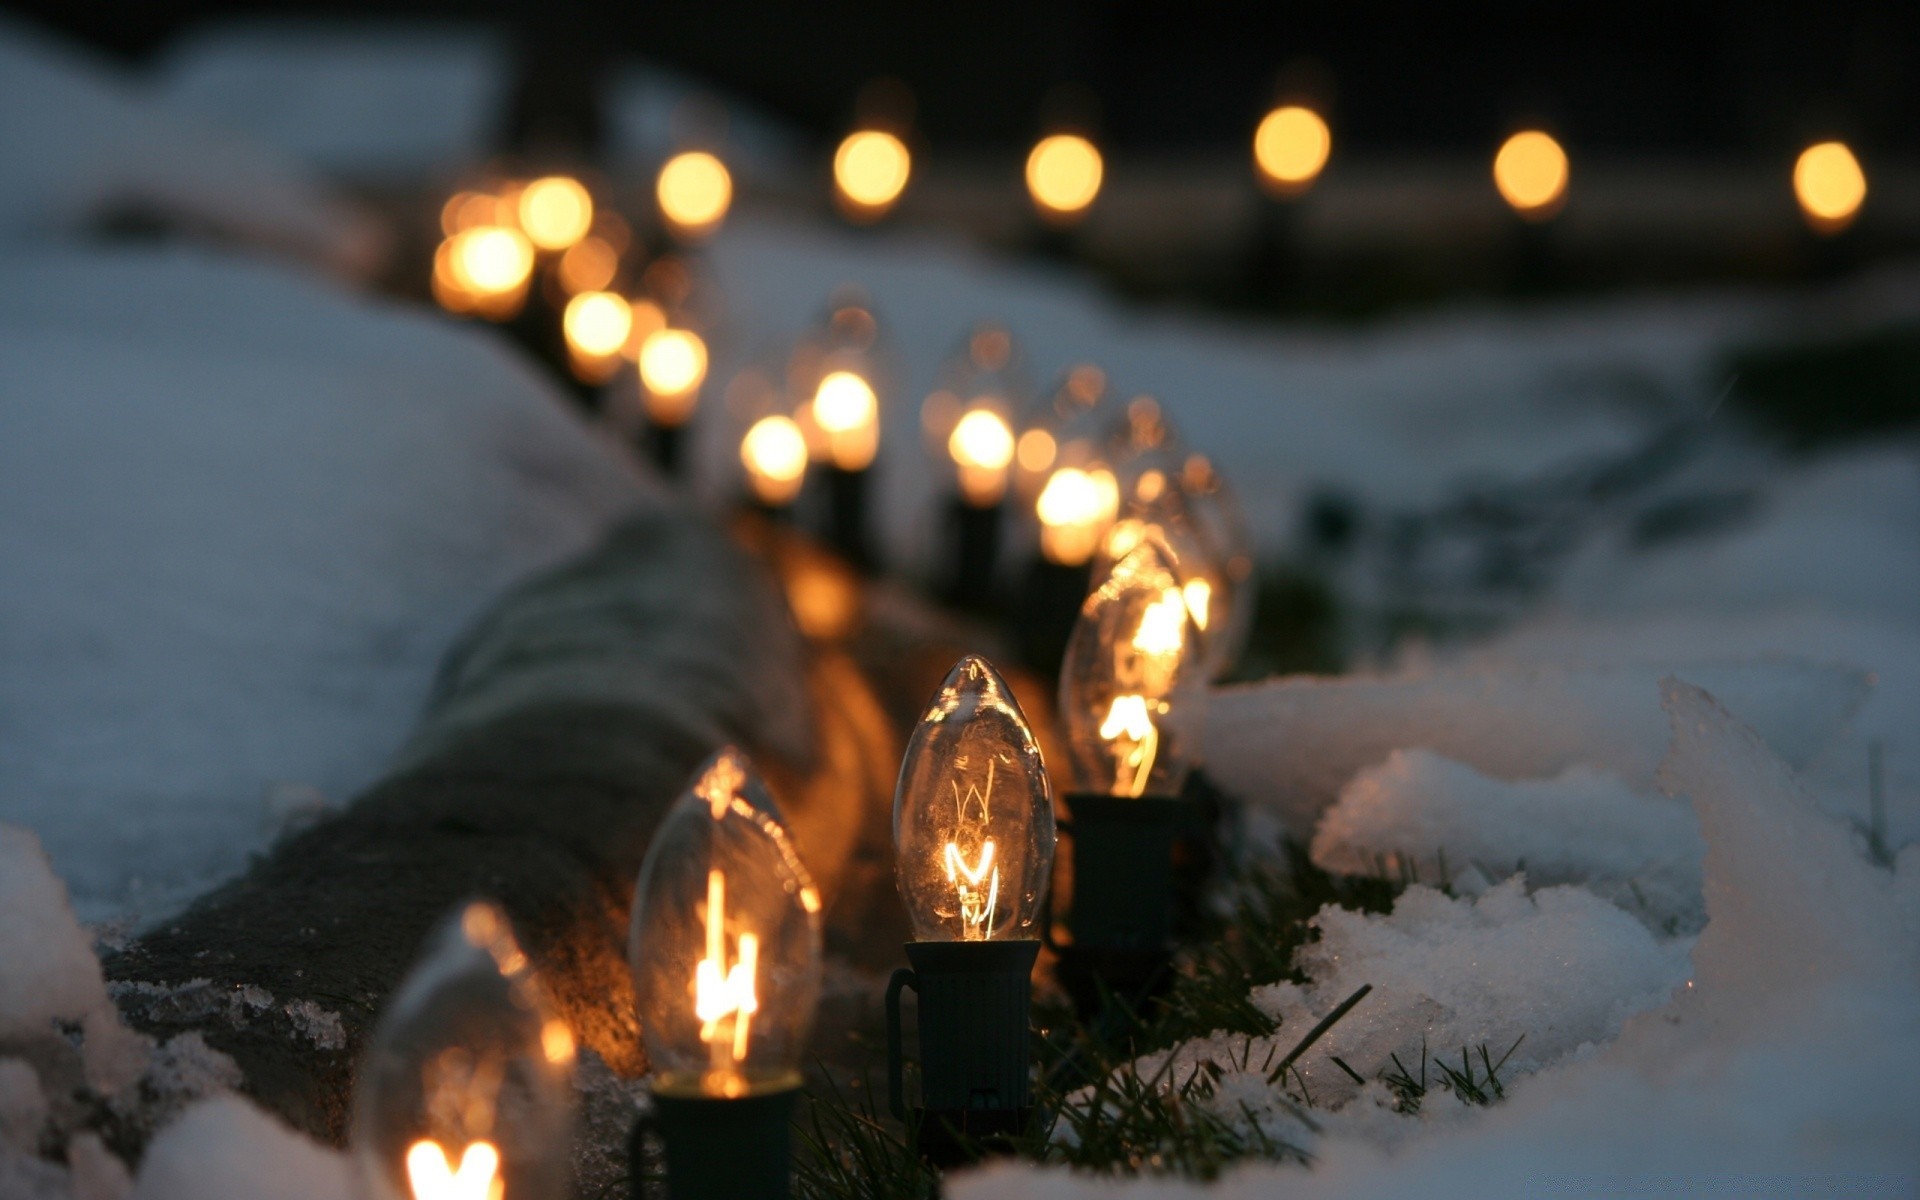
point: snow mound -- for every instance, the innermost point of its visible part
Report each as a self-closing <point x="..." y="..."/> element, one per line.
<point x="1841" y="535"/>
<point x="227" y="1147"/>
<point x="81" y="142"/>
<point x="389" y="102"/>
<point x="50" y="975"/>
<point x="1289" y="745"/>
<point x="242" y="517"/>
<point x="1423" y="811"/>
<point x="1787" y="1068"/>
<point x="1792" y="908"/>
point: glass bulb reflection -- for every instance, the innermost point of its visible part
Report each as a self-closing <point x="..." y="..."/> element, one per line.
<point x="465" y="1090"/>
<point x="973" y="826"/>
<point x="725" y="941"/>
<point x="1128" y="694"/>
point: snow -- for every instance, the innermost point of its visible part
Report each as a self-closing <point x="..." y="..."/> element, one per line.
<point x="1785" y="1065"/>
<point x="246" y="515"/>
<point x="1423" y="811"/>
<point x="51" y="975"/>
<point x="227" y="1147"/>
<point x="1531" y="978"/>
<point x="83" y="141"/>
<point x="1289" y="746"/>
<point x="391" y="102"/>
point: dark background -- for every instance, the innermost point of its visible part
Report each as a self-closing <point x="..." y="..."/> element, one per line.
<point x="1689" y="77"/>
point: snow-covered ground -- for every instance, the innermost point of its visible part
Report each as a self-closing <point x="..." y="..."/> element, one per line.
<point x="244" y="511"/>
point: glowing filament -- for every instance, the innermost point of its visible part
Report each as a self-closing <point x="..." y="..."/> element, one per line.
<point x="1136" y="743"/>
<point x="721" y="991"/>
<point x="433" y="1177"/>
<point x="1199" y="596"/>
<point x="976" y="904"/>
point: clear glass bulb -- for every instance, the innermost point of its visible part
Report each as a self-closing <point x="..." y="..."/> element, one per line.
<point x="725" y="940"/>
<point x="973" y="814"/>
<point x="465" y="1093"/>
<point x="1131" y="688"/>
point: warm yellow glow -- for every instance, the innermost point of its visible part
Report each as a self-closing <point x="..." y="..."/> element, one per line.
<point x="468" y="210"/>
<point x="1035" y="450"/>
<point x="847" y="413"/>
<point x="555" y="212"/>
<point x="981" y="446"/>
<point x="724" y="996"/>
<point x="1075" y="509"/>
<point x="1136" y="743"/>
<point x="432" y="1176"/>
<point x="870" y="169"/>
<point x="589" y="265"/>
<point x="774" y="453"/>
<point x="1291" y="146"/>
<point x="1531" y="173"/>
<point x="597" y="324"/>
<point x="977" y="904"/>
<point x="694" y="191"/>
<point x="556" y="1041"/>
<point x="1063" y="174"/>
<point x="648" y="319"/>
<point x="492" y="260"/>
<point x="1199" y="596"/>
<point x="1830" y="185"/>
<point x="673" y="365"/>
<point x="844" y="402"/>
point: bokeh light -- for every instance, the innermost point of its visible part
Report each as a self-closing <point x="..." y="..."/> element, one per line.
<point x="597" y="324"/>
<point x="1063" y="175"/>
<point x="870" y="170"/>
<point x="673" y="365"/>
<point x="774" y="453"/>
<point x="981" y="446"/>
<point x="694" y="192"/>
<point x="491" y="260"/>
<point x="1531" y="172"/>
<point x="589" y="265"/>
<point x="1291" y="147"/>
<point x="1828" y="182"/>
<point x="555" y="212"/>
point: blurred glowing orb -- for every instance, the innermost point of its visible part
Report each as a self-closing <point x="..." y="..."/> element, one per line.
<point x="694" y="192"/>
<point x="673" y="362"/>
<point x="589" y="265"/>
<point x="844" y="402"/>
<point x="555" y="212"/>
<point x="1531" y="172"/>
<point x="491" y="259"/>
<point x="774" y="452"/>
<point x="1830" y="185"/>
<point x="870" y="169"/>
<point x="1063" y="174"/>
<point x="597" y="323"/>
<point x="1291" y="147"/>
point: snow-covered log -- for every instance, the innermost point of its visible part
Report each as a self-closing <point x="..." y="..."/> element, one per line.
<point x="558" y="733"/>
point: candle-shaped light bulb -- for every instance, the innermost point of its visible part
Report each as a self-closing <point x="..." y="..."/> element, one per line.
<point x="973" y="814"/>
<point x="465" y="1091"/>
<point x="1075" y="509"/>
<point x="673" y="365"/>
<point x="1128" y="688"/>
<point x="981" y="447"/>
<point x="725" y="940"/>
